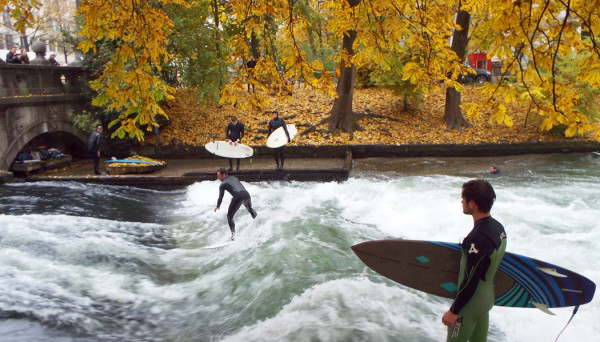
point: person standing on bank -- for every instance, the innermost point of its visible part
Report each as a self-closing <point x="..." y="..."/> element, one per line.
<point x="240" y="196"/>
<point x="274" y="124"/>
<point x="250" y="65"/>
<point x="482" y="252"/>
<point x="234" y="133"/>
<point x="93" y="145"/>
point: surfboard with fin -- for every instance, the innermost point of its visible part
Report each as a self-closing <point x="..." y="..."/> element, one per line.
<point x="432" y="267"/>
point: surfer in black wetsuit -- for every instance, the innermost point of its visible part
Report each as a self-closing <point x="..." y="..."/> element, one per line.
<point x="274" y="124"/>
<point x="240" y="196"/>
<point x="234" y="133"/>
<point x="482" y="252"/>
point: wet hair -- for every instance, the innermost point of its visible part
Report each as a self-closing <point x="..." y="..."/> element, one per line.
<point x="233" y="118"/>
<point x="480" y="191"/>
<point x="222" y="171"/>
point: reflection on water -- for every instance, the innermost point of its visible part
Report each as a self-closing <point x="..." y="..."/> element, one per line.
<point x="104" y="263"/>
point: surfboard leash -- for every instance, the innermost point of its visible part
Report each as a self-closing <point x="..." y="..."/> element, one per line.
<point x="573" y="315"/>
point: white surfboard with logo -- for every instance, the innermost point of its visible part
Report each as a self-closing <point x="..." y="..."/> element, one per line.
<point x="278" y="138"/>
<point x="229" y="150"/>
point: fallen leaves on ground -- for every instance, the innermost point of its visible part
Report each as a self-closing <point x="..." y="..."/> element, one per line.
<point x="385" y="123"/>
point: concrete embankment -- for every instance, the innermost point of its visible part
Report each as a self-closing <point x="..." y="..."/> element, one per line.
<point x="388" y="151"/>
<point x="189" y="164"/>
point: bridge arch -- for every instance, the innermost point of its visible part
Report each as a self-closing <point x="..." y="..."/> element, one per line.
<point x="35" y="101"/>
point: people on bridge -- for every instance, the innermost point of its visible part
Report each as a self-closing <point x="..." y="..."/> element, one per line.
<point x="240" y="196"/>
<point x="24" y="59"/>
<point x="53" y="60"/>
<point x="234" y="133"/>
<point x="12" y="56"/>
<point x="93" y="145"/>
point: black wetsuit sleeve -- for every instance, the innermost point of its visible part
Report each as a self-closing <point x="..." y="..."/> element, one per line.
<point x="228" y="132"/>
<point x="478" y="249"/>
<point x="285" y="129"/>
<point x="271" y="128"/>
<point x="221" y="194"/>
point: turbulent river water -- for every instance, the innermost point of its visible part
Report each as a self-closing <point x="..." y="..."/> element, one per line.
<point x="83" y="262"/>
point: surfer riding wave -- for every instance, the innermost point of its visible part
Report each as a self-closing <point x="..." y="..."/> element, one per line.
<point x="233" y="185"/>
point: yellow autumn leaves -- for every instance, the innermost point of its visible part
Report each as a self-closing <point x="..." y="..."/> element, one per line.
<point x="385" y="123"/>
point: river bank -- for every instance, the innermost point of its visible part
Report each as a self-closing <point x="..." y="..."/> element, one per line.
<point x="189" y="164"/>
<point x="384" y="150"/>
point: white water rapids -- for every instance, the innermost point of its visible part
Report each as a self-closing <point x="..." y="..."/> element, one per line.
<point x="103" y="263"/>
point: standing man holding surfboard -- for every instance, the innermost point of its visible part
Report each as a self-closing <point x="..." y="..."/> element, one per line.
<point x="482" y="252"/>
<point x="274" y="124"/>
<point x="234" y="133"/>
<point x="240" y="196"/>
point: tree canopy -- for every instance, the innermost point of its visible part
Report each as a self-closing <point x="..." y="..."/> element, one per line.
<point x="300" y="39"/>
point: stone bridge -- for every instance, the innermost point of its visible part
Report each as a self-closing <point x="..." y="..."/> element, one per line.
<point x="35" y="102"/>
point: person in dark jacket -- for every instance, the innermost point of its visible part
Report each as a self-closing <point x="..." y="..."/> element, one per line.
<point x="274" y="124"/>
<point x="234" y="133"/>
<point x="93" y="145"/>
<point x="240" y="196"/>
<point x="250" y="65"/>
<point x="53" y="60"/>
<point x="13" y="56"/>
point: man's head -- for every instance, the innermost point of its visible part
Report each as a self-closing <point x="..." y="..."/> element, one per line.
<point x="493" y="169"/>
<point x="221" y="173"/>
<point x="52" y="56"/>
<point x="233" y="119"/>
<point x="275" y="114"/>
<point x="13" y="49"/>
<point x="99" y="128"/>
<point x="481" y="193"/>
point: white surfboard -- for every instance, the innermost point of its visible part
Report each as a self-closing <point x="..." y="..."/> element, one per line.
<point x="278" y="138"/>
<point x="219" y="245"/>
<point x="227" y="150"/>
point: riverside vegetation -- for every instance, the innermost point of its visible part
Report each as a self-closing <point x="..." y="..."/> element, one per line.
<point x="383" y="116"/>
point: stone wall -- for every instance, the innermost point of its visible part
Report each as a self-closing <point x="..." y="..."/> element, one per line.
<point x="36" y="99"/>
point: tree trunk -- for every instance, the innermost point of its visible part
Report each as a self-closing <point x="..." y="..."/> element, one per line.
<point x="452" y="113"/>
<point x="254" y="46"/>
<point x="342" y="116"/>
<point x="216" y="16"/>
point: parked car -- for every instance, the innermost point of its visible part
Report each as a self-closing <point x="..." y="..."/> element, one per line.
<point x="480" y="76"/>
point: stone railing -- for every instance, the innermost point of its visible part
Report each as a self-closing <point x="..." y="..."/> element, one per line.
<point x="26" y="80"/>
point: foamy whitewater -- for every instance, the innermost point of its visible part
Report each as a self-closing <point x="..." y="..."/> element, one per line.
<point x="104" y="263"/>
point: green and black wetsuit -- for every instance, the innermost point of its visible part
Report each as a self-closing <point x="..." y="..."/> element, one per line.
<point x="482" y="252"/>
